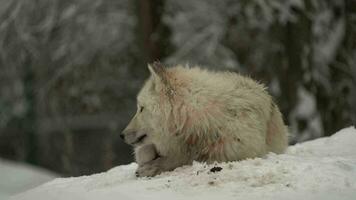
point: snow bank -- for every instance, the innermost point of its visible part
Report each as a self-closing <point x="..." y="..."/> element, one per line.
<point x="16" y="178"/>
<point x="321" y="169"/>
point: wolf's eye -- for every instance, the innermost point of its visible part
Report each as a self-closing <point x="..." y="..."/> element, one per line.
<point x="141" y="108"/>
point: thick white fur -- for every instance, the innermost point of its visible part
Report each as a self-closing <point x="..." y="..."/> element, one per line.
<point x="194" y="114"/>
<point x="145" y="153"/>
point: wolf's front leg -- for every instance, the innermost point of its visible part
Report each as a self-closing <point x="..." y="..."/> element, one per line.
<point x="159" y="165"/>
<point x="145" y="153"/>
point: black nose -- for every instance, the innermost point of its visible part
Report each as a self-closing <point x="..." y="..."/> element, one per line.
<point x="122" y="136"/>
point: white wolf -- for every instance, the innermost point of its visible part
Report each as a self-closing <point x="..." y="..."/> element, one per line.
<point x="186" y="114"/>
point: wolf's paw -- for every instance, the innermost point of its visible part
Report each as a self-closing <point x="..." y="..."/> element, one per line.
<point x="149" y="169"/>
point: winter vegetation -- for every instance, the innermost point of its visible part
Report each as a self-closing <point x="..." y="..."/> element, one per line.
<point x="324" y="168"/>
<point x="70" y="70"/>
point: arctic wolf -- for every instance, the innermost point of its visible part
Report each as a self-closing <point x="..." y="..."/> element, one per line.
<point x="186" y="114"/>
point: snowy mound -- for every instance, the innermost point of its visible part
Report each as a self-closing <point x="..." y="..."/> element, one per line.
<point x="321" y="169"/>
<point x="16" y="177"/>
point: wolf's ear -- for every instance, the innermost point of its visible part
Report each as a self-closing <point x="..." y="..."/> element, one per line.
<point x="161" y="78"/>
<point x="158" y="72"/>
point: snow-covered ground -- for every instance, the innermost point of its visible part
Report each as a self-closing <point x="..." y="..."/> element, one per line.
<point x="321" y="169"/>
<point x="16" y="178"/>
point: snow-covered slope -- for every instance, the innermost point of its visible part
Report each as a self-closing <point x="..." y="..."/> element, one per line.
<point x="16" y="178"/>
<point x="321" y="169"/>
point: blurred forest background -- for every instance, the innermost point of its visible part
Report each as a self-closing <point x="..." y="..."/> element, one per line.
<point x="70" y="70"/>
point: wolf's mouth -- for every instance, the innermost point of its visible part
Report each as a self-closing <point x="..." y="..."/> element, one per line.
<point x="139" y="139"/>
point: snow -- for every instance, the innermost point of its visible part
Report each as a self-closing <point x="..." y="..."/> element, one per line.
<point x="16" y="178"/>
<point x="324" y="168"/>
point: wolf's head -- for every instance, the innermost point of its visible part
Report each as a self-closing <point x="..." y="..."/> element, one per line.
<point x="152" y="103"/>
<point x="173" y="103"/>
